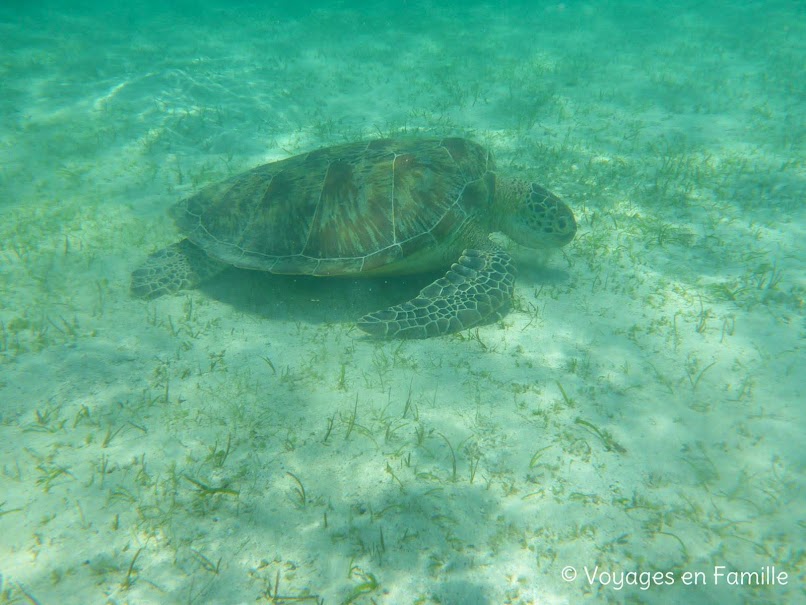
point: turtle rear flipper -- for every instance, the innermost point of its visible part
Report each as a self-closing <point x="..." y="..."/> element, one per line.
<point x="180" y="266"/>
<point x="476" y="290"/>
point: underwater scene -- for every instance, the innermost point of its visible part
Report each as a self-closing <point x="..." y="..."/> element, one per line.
<point x="403" y="303"/>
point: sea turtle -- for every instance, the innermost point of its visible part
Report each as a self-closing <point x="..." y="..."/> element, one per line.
<point x="381" y="207"/>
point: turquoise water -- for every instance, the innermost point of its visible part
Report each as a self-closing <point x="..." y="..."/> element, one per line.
<point x="639" y="410"/>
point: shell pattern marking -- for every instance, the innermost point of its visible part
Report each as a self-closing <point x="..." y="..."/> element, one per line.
<point x="346" y="209"/>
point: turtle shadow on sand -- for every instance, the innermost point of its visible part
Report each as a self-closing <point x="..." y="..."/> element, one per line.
<point x="310" y="299"/>
<point x="314" y="300"/>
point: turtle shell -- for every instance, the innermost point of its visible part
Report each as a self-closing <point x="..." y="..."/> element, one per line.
<point x="385" y="206"/>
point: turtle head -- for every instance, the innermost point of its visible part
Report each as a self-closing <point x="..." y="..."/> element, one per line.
<point x="538" y="218"/>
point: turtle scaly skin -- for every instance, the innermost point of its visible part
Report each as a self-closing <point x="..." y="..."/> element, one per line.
<point x="476" y="290"/>
<point x="180" y="266"/>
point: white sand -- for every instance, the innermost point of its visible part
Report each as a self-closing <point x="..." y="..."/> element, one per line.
<point x="640" y="411"/>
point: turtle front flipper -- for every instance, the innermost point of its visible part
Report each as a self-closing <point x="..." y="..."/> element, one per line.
<point x="178" y="267"/>
<point x="476" y="290"/>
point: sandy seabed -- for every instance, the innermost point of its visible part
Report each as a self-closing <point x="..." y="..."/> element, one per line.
<point x="631" y="432"/>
